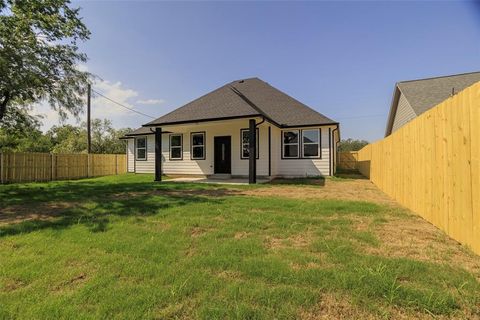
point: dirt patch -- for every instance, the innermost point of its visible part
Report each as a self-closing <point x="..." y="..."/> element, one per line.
<point x="413" y="237"/>
<point x="72" y="282"/>
<point x="341" y="307"/>
<point x="351" y="190"/>
<point x="196" y="232"/>
<point x="241" y="235"/>
<point x="44" y="211"/>
<point x="12" y="285"/>
<point x="229" y="274"/>
<point x="297" y="241"/>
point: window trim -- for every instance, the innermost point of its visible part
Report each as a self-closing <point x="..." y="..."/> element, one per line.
<point x="319" y="144"/>
<point x="204" y="145"/>
<point x="241" y="143"/>
<point x="298" y="143"/>
<point x="136" y="148"/>
<point x="170" y="146"/>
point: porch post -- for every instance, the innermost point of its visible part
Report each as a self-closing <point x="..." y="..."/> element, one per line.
<point x="158" y="154"/>
<point x="252" y="159"/>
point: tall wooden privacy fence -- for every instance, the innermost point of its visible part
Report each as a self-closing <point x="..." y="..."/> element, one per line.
<point x="432" y="166"/>
<point x="347" y="160"/>
<point x="30" y="167"/>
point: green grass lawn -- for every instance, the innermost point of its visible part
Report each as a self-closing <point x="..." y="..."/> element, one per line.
<point x="125" y="247"/>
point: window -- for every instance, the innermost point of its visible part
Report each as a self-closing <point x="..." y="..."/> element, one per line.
<point x="176" y="149"/>
<point x="290" y="144"/>
<point x="311" y="143"/>
<point x="141" y="148"/>
<point x="197" y="149"/>
<point x="245" y="145"/>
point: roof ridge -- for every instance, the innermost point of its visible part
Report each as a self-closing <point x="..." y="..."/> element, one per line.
<point x="438" y="77"/>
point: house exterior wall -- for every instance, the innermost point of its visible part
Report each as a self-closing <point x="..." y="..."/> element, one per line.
<point x="290" y="168"/>
<point x="279" y="167"/>
<point x="403" y="114"/>
<point x="130" y="155"/>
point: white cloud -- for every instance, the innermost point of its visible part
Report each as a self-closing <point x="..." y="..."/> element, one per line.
<point x="103" y="108"/>
<point x="151" y="101"/>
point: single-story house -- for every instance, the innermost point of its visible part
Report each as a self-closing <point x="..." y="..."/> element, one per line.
<point x="414" y="97"/>
<point x="211" y="136"/>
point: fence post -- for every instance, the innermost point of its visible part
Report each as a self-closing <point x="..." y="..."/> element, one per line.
<point x="2" y="166"/>
<point x="88" y="165"/>
<point x="116" y="164"/>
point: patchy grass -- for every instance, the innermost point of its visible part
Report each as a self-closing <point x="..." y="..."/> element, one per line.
<point x="125" y="247"/>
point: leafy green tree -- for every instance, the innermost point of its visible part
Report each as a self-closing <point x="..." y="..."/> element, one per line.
<point x="39" y="56"/>
<point x="67" y="139"/>
<point x="106" y="139"/>
<point x="352" y="144"/>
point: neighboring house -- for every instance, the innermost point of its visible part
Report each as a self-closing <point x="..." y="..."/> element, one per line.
<point x="210" y="136"/>
<point x="412" y="98"/>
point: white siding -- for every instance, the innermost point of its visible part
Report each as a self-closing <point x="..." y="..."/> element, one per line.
<point x="130" y="155"/>
<point x="206" y="167"/>
<point x="303" y="167"/>
<point x="403" y="114"/>
<point x="147" y="166"/>
<point x="279" y="167"/>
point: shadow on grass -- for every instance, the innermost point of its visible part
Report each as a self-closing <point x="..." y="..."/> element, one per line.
<point x="308" y="181"/>
<point x="93" y="203"/>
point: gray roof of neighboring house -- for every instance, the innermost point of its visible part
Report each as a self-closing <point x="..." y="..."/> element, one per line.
<point x="424" y="94"/>
<point x="245" y="98"/>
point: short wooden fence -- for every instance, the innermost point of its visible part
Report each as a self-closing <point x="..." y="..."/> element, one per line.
<point x="432" y="166"/>
<point x="31" y="167"/>
<point x="347" y="160"/>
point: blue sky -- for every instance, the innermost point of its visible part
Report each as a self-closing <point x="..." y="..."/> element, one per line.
<point x="340" y="58"/>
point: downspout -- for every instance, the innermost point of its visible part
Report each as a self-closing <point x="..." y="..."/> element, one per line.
<point x="335" y="147"/>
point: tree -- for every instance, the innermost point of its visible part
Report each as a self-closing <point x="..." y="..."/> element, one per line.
<point x="352" y="144"/>
<point x="67" y="139"/>
<point x="39" y="56"/>
<point x="21" y="132"/>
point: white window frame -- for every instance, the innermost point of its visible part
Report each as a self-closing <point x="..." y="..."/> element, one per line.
<point x="140" y="148"/>
<point x="299" y="136"/>
<point x="175" y="147"/>
<point x="312" y="143"/>
<point x="257" y="137"/>
<point x="203" y="146"/>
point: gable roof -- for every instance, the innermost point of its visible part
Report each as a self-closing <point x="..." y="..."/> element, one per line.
<point x="242" y="99"/>
<point x="424" y="94"/>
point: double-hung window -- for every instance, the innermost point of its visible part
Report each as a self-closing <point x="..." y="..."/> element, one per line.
<point x="290" y="145"/>
<point x="176" y="147"/>
<point x="141" y="148"/>
<point x="245" y="143"/>
<point x="197" y="143"/>
<point x="311" y="143"/>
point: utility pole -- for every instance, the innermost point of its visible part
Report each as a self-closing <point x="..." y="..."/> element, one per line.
<point x="89" y="136"/>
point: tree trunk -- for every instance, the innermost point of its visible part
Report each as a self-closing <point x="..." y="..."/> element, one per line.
<point x="3" y="105"/>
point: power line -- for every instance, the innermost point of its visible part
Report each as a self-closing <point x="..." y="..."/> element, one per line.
<point x="122" y="105"/>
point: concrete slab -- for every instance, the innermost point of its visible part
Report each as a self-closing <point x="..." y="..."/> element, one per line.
<point x="233" y="181"/>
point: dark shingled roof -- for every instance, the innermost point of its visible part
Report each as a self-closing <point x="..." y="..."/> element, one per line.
<point x="245" y="98"/>
<point x="424" y="94"/>
<point x="138" y="132"/>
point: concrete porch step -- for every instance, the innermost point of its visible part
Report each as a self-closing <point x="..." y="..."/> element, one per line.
<point x="220" y="176"/>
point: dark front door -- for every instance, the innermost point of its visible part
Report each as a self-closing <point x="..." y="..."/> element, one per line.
<point x="223" y="155"/>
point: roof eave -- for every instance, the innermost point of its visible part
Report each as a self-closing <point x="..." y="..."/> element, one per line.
<point x="151" y="124"/>
<point x="393" y="110"/>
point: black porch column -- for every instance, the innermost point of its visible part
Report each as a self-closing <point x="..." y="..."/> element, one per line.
<point x="252" y="159"/>
<point x="158" y="154"/>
